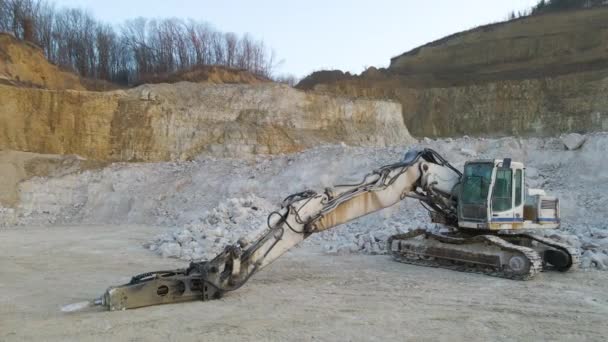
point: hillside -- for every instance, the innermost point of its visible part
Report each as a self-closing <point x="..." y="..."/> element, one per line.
<point x="215" y="74"/>
<point x="24" y="64"/>
<point x="531" y="47"/>
<point x="537" y="75"/>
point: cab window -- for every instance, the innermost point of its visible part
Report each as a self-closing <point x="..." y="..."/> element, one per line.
<point x="476" y="183"/>
<point x="502" y="193"/>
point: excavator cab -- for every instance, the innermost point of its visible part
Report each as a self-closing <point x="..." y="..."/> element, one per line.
<point x="493" y="196"/>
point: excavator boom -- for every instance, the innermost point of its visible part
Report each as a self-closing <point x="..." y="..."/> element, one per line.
<point x="300" y="215"/>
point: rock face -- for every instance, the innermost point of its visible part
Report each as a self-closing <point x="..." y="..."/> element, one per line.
<point x="179" y="121"/>
<point x="532" y="107"/>
<point x="540" y="75"/>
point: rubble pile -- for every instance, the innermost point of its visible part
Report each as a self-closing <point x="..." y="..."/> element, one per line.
<point x="206" y="203"/>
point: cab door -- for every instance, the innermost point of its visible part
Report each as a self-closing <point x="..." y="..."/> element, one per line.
<point x="502" y="199"/>
<point x="518" y="195"/>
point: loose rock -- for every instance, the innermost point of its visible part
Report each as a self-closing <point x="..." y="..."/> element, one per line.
<point x="573" y="141"/>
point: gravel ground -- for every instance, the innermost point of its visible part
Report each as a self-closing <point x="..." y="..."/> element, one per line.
<point x="304" y="296"/>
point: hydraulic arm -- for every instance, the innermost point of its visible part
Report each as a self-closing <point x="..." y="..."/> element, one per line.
<point x="423" y="175"/>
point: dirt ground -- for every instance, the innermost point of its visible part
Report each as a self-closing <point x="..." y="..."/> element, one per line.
<point x="303" y="296"/>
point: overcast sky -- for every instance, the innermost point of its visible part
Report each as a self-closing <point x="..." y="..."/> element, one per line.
<point x="321" y="34"/>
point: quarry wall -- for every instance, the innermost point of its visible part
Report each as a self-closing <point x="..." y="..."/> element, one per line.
<point x="170" y="122"/>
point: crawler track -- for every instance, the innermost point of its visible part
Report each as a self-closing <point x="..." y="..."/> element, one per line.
<point x="572" y="253"/>
<point x="484" y="254"/>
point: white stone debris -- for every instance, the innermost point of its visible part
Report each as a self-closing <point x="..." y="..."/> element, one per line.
<point x="206" y="203"/>
<point x="206" y="236"/>
<point x="468" y="152"/>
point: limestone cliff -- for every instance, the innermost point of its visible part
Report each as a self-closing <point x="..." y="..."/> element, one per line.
<point x="179" y="121"/>
<point x="538" y="75"/>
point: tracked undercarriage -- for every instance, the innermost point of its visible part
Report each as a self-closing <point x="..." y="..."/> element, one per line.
<point x="507" y="255"/>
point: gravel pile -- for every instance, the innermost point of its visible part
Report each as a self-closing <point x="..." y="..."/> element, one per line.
<point x="209" y="202"/>
<point x="206" y="236"/>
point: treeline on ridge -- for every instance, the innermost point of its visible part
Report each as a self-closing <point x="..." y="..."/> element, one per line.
<point x="546" y="6"/>
<point x="136" y="50"/>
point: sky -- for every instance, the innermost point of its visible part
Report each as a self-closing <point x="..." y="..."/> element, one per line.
<point x="312" y="35"/>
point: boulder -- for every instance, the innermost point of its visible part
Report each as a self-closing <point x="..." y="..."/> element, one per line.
<point x="573" y="141"/>
<point x="468" y="152"/>
<point x="170" y="250"/>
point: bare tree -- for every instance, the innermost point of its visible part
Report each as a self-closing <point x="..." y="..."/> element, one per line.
<point x="44" y="28"/>
<point x="4" y="16"/>
<point x="231" y="40"/>
<point x="106" y="46"/>
<point x="20" y="18"/>
<point x="219" y="49"/>
<point x="134" y="36"/>
<point x="197" y="54"/>
<point x="181" y="42"/>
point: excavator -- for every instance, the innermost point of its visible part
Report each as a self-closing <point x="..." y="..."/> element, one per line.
<point x="486" y="213"/>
